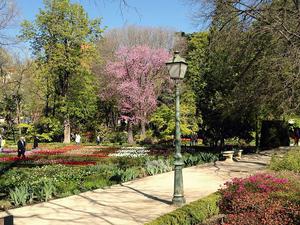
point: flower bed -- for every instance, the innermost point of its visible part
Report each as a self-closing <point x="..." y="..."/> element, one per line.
<point x="85" y="174"/>
<point x="261" y="199"/>
<point x="131" y="152"/>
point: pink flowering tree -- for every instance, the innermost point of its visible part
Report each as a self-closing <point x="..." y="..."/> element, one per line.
<point x="136" y="76"/>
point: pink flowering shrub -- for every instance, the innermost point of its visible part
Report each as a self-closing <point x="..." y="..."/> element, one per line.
<point x="260" y="199"/>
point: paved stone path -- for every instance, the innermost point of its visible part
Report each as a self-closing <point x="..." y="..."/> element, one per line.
<point x="138" y="201"/>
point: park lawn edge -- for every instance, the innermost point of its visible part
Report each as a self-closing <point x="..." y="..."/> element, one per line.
<point x="190" y="214"/>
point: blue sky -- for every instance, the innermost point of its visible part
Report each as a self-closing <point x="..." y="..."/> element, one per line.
<point x="166" y="13"/>
<point x="175" y="14"/>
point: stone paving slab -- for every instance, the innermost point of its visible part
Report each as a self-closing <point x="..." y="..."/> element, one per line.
<point x="138" y="201"/>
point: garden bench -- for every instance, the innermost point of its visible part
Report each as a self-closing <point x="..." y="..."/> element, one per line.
<point x="7" y="220"/>
<point x="228" y="155"/>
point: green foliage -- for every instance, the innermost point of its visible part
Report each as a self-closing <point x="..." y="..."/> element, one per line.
<point x="26" y="129"/>
<point x="34" y="178"/>
<point x="214" y="75"/>
<point x="158" y="166"/>
<point x="197" y="43"/>
<point x="95" y="181"/>
<point x="290" y="161"/>
<point x="48" y="129"/>
<point x="19" y="195"/>
<point x="43" y="183"/>
<point x="129" y="174"/>
<point x="104" y="132"/>
<point x="199" y="158"/>
<point x="274" y="133"/>
<point x="119" y="137"/>
<point x="191" y="214"/>
<point x="4" y="204"/>
<point x="124" y="175"/>
<point x="66" y="188"/>
<point x="163" y="118"/>
<point x="47" y="190"/>
<point x="62" y="38"/>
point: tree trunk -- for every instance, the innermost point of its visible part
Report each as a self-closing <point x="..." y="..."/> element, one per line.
<point x="130" y="133"/>
<point x="67" y="130"/>
<point x="143" y="129"/>
<point x="222" y="142"/>
<point x="256" y="135"/>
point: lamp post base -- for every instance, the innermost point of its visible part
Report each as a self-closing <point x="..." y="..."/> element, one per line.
<point x="178" y="200"/>
<point x="178" y="196"/>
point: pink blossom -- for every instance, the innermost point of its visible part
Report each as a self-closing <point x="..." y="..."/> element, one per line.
<point x="136" y="79"/>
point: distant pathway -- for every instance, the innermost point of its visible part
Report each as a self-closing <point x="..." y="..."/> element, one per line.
<point x="138" y="201"/>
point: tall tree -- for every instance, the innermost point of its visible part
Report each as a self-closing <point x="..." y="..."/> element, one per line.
<point x="62" y="38"/>
<point x="113" y="40"/>
<point x="270" y="37"/>
<point x="8" y="14"/>
<point x="137" y="76"/>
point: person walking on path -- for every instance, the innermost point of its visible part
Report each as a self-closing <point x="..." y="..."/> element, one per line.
<point x="77" y="139"/>
<point x="21" y="147"/>
<point x="35" y="142"/>
<point x="98" y="140"/>
<point x="1" y="146"/>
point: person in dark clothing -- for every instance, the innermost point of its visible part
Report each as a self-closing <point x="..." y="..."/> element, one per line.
<point x="21" y="147"/>
<point x="297" y="136"/>
<point x="35" y="142"/>
<point x="98" y="140"/>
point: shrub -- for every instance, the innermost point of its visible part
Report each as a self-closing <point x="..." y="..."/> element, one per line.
<point x="19" y="195"/>
<point x="260" y="199"/>
<point x="190" y="214"/>
<point x="125" y="175"/>
<point x="158" y="166"/>
<point x="129" y="174"/>
<point x="49" y="129"/>
<point x="4" y="204"/>
<point x="64" y="188"/>
<point x="190" y="160"/>
<point x="117" y="137"/>
<point x="208" y="157"/>
<point x="199" y="158"/>
<point x="94" y="182"/>
<point x="47" y="190"/>
<point x="274" y="133"/>
<point x="290" y="161"/>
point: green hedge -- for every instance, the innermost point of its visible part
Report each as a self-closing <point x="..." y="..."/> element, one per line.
<point x="274" y="133"/>
<point x="193" y="213"/>
<point x="289" y="161"/>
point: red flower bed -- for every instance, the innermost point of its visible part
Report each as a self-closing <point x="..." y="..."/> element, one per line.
<point x="77" y="163"/>
<point x="99" y="155"/>
<point x="261" y="199"/>
<point x="63" y="161"/>
<point x="15" y="158"/>
<point x="58" y="150"/>
<point x="7" y="151"/>
<point x="41" y="156"/>
<point x="49" y="152"/>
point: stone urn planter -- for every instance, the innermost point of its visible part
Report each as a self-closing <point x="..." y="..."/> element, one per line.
<point x="238" y="153"/>
<point x="228" y="155"/>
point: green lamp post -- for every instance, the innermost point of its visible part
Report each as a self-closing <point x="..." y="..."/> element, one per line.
<point x="177" y="68"/>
